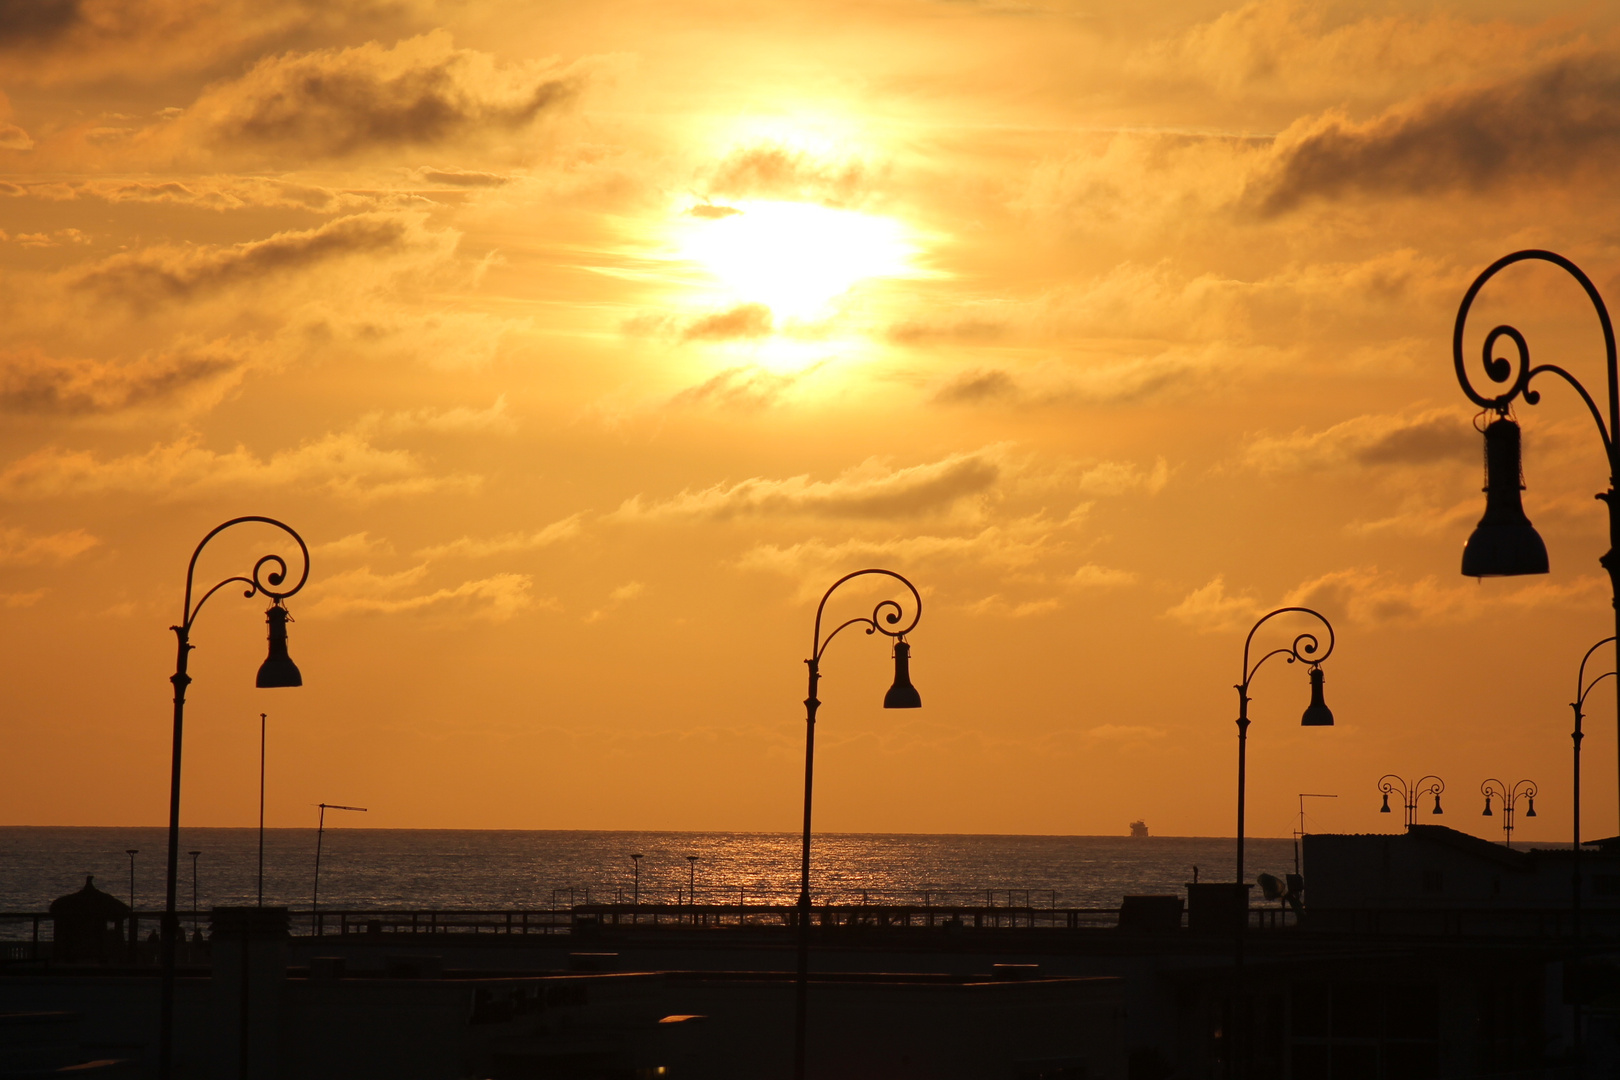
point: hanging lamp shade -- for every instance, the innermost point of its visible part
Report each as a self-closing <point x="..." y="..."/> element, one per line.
<point x="902" y="695"/>
<point x="1385" y="808"/>
<point x="1437" y="803"/>
<point x="1487" y="811"/>
<point x="1532" y="811"/>
<point x="278" y="668"/>
<point x="1504" y="543"/>
<point x="1317" y="714"/>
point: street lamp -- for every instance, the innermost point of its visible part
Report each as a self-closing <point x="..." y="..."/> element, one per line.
<point x="691" y="881"/>
<point x="901" y="695"/>
<point x="277" y="670"/>
<point x="1510" y="796"/>
<point x="1317" y="714"/>
<point x="1505" y="543"/>
<point x="320" y="831"/>
<point x="132" y="852"/>
<point x="1582" y="688"/>
<point x="1389" y="784"/>
<point x="635" y="896"/>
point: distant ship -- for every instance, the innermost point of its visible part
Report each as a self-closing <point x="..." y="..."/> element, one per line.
<point x="1138" y="830"/>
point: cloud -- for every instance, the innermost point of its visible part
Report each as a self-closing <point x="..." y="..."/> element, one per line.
<point x="954" y="332"/>
<point x="1208" y="608"/>
<point x="744" y="388"/>
<point x="18" y="547"/>
<point x="977" y="386"/>
<point x="33" y="383"/>
<point x="1559" y="119"/>
<point x="998" y="607"/>
<point x="1123" y="733"/>
<point x="771" y="170"/>
<point x="744" y="322"/>
<point x="711" y="212"/>
<point x="617" y="598"/>
<point x="340" y="102"/>
<point x="467" y="547"/>
<point x="343" y="465"/>
<point x="460" y="178"/>
<point x="458" y="420"/>
<point x="870" y="490"/>
<point x="363" y="592"/>
<point x="1364" y="594"/>
<point x="13" y="137"/>
<point x="176" y="273"/>
<point x="1369" y="441"/>
<point x="31" y="21"/>
<point x="1120" y="477"/>
<point x="1092" y="576"/>
<point x="353" y="546"/>
<point x="220" y="193"/>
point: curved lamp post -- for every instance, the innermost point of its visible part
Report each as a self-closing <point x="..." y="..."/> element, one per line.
<point x="269" y="577"/>
<point x="901" y="695"/>
<point x="1390" y="784"/>
<point x="1505" y="543"/>
<point x="1317" y="714"/>
<point x="1582" y="688"/>
<point x="1510" y="796"/>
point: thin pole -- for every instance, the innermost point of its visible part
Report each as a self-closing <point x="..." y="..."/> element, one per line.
<point x="194" y="855"/>
<point x="801" y="999"/>
<point x="132" y="852"/>
<point x="169" y="927"/>
<point x="261" y="808"/>
<point x="315" y="894"/>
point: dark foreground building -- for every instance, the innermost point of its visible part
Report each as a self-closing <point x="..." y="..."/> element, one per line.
<point x="1418" y="956"/>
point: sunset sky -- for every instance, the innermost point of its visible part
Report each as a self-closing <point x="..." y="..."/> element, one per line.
<point x="587" y="344"/>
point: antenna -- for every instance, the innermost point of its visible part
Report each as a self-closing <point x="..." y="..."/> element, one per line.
<point x="1299" y="833"/>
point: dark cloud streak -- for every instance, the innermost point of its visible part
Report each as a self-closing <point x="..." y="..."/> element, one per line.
<point x="1560" y="119"/>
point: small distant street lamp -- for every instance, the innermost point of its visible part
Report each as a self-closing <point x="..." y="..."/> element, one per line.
<point x="276" y="671"/>
<point x="194" y="855"/>
<point x="132" y="852"/>
<point x="1505" y="543"/>
<point x="635" y="895"/>
<point x="901" y="695"/>
<point x="1510" y="796"/>
<point x="1317" y="714"/>
<point x="691" y="880"/>
<point x="1390" y="784"/>
<point x="320" y="830"/>
<point x="1582" y="688"/>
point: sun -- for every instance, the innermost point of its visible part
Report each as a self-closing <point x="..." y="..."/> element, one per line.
<point x="793" y="257"/>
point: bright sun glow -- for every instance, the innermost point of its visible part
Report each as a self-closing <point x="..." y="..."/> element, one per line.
<point x="794" y="257"/>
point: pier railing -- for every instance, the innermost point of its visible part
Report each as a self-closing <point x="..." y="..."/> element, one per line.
<point x="27" y="935"/>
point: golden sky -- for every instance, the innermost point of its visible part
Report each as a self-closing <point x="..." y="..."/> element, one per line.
<point x="587" y="344"/>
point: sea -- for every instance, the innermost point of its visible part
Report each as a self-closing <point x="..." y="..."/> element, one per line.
<point x="466" y="870"/>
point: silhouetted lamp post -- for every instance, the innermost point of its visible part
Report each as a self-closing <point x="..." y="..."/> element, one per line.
<point x="132" y="852"/>
<point x="901" y="695"/>
<point x="1510" y="796"/>
<point x="1317" y="714"/>
<point x="1505" y="543"/>
<point x="1391" y="784"/>
<point x="1582" y="688"/>
<point x="691" y="880"/>
<point x="320" y="831"/>
<point x="277" y="670"/>
<point x="635" y="863"/>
